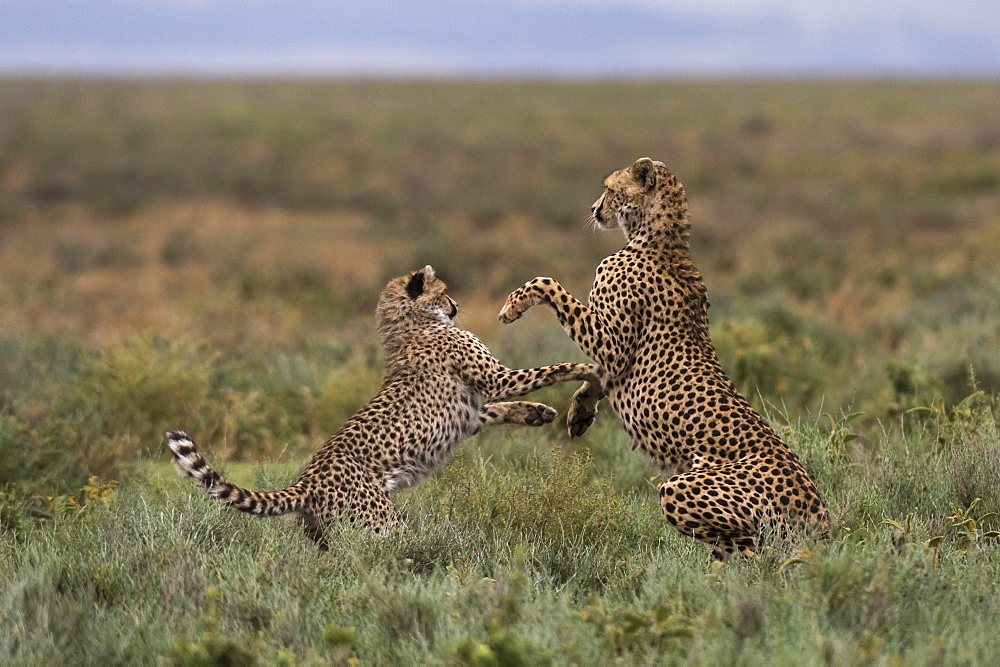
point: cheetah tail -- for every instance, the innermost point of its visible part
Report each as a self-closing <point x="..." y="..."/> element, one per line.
<point x="189" y="462"/>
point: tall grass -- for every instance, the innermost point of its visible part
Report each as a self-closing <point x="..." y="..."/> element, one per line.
<point x="518" y="564"/>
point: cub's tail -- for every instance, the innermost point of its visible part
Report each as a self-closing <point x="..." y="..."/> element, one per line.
<point x="189" y="462"/>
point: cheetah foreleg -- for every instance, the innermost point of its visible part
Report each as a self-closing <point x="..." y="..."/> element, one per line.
<point x="583" y="409"/>
<point x="524" y="298"/>
<point x="509" y="382"/>
<point x="581" y="324"/>
<point x="516" y="412"/>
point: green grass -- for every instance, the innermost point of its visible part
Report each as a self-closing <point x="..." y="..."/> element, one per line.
<point x="519" y="553"/>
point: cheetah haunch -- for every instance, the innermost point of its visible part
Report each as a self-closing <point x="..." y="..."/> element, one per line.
<point x="730" y="476"/>
<point x="436" y="392"/>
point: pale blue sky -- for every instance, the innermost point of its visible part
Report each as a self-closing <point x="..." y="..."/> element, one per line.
<point x="501" y="38"/>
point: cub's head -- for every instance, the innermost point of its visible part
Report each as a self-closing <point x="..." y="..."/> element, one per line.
<point x="414" y="299"/>
<point x="641" y="199"/>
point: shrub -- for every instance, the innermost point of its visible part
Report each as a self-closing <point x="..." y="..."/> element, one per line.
<point x="762" y="360"/>
<point x="340" y="393"/>
<point x="145" y="386"/>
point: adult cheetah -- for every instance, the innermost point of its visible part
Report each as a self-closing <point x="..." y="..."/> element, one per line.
<point x="436" y="392"/>
<point x="730" y="476"/>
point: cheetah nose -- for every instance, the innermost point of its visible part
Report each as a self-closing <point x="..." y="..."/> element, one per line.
<point x="597" y="204"/>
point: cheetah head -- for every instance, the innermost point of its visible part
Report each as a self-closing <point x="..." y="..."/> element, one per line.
<point x="412" y="299"/>
<point x="640" y="197"/>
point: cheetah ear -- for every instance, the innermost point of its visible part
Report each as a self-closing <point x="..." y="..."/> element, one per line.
<point x="415" y="287"/>
<point x="644" y="173"/>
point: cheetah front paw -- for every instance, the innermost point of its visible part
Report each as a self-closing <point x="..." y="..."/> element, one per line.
<point x="539" y="414"/>
<point x="582" y="410"/>
<point x="519" y="301"/>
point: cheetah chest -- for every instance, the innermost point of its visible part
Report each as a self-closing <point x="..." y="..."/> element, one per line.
<point x="432" y="431"/>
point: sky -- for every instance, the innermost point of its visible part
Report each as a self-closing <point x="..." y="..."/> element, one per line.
<point x="501" y="38"/>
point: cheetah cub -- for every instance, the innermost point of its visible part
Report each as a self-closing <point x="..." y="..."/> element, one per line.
<point x="438" y="389"/>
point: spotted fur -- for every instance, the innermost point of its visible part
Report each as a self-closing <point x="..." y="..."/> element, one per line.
<point x="439" y="386"/>
<point x="730" y="476"/>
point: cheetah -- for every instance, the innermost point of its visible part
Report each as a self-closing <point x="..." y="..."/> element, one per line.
<point x="729" y="474"/>
<point x="437" y="390"/>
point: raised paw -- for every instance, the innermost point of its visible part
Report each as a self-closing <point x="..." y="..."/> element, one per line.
<point x="582" y="410"/>
<point x="519" y="301"/>
<point x="538" y="414"/>
<point x="514" y="307"/>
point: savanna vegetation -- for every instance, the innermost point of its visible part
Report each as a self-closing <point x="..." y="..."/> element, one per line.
<point x="207" y="254"/>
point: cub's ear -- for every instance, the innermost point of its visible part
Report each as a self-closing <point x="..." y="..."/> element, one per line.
<point x="644" y="173"/>
<point x="415" y="287"/>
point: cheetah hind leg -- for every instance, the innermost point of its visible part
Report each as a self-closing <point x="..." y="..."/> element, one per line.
<point x="710" y="505"/>
<point x="362" y="500"/>
<point x="315" y="530"/>
<point x="524" y="413"/>
<point x="724" y="548"/>
<point x="381" y="517"/>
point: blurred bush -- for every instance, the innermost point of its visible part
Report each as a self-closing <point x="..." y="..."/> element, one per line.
<point x="780" y="357"/>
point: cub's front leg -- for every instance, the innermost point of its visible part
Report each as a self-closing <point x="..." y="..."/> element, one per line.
<point x="524" y="413"/>
<point x="508" y="382"/>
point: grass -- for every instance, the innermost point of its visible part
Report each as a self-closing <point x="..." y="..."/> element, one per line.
<point x="206" y="255"/>
<point x="518" y="553"/>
